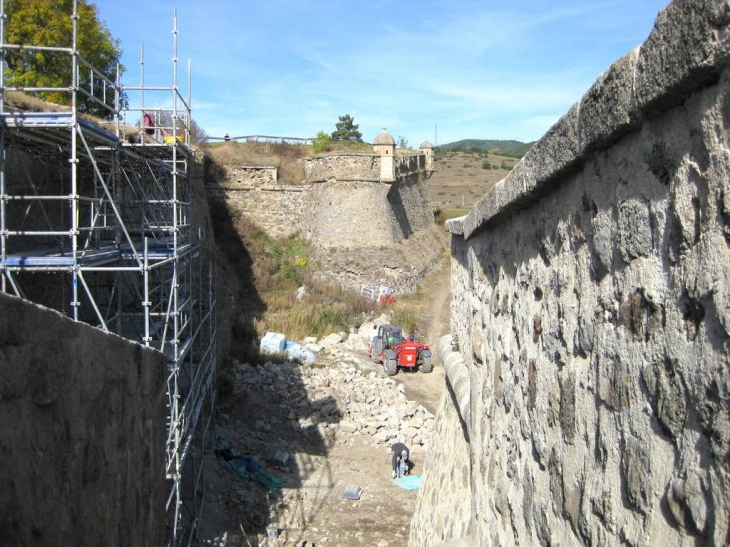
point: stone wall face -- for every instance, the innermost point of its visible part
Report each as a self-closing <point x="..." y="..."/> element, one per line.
<point x="410" y="199"/>
<point x="444" y="501"/>
<point x="247" y="176"/>
<point x="337" y="213"/>
<point x="591" y="303"/>
<point x="341" y="195"/>
<point x="254" y="191"/>
<point x="409" y="164"/>
<point x="342" y="166"/>
<point x="83" y="433"/>
<point x="276" y="209"/>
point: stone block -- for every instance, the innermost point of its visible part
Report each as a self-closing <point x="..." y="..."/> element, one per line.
<point x="635" y="237"/>
<point x="583" y="337"/>
<point x="637" y="473"/>
<point x="607" y="111"/>
<point x="347" y="427"/>
<point x="666" y="396"/>
<point x="567" y="407"/>
<point x="331" y="340"/>
<point x="687" y="503"/>
<point x="602" y="246"/>
<point x="685" y="51"/>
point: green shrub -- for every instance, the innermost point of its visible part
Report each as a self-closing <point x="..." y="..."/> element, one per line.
<point x="439" y="216"/>
<point x="321" y="142"/>
<point x="486" y="164"/>
<point x="404" y="319"/>
<point x="280" y="267"/>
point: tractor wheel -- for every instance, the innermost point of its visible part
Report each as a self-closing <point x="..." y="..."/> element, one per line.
<point x="390" y="366"/>
<point x="426" y="365"/>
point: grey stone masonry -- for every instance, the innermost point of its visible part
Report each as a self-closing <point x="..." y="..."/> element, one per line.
<point x="591" y="304"/>
<point x="443" y="507"/>
<point x="342" y="166"/>
<point x="82" y="434"/>
<point x="341" y="203"/>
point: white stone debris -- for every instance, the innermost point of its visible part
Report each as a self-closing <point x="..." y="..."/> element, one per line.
<point x="337" y="399"/>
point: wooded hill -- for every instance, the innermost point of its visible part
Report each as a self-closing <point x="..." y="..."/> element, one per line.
<point x="511" y="149"/>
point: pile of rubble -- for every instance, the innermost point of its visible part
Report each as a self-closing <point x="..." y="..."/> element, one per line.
<point x="337" y="400"/>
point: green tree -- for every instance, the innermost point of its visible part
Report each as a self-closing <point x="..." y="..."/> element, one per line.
<point x="402" y="142"/>
<point x="49" y="23"/>
<point x="320" y="142"/>
<point x="346" y="130"/>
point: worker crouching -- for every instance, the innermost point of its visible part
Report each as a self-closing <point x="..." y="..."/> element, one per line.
<point x="399" y="460"/>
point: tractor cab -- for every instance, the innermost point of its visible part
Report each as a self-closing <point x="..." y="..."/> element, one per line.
<point x="393" y="336"/>
<point x="388" y="337"/>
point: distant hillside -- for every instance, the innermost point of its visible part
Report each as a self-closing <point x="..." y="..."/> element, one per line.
<point x="511" y="149"/>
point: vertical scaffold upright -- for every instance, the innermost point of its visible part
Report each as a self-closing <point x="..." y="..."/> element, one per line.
<point x="95" y="221"/>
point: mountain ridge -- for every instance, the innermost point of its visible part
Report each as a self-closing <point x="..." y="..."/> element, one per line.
<point x="508" y="148"/>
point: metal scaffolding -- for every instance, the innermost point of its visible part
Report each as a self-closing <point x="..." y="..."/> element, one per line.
<point x="95" y="221"/>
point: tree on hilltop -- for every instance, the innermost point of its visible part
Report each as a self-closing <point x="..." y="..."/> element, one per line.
<point x="346" y="130"/>
<point x="49" y="23"/>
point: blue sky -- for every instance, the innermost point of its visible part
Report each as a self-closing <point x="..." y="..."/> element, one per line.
<point x="472" y="69"/>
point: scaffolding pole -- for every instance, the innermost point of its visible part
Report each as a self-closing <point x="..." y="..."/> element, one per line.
<point x="112" y="244"/>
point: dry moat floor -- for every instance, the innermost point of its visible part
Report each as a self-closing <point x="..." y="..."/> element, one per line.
<point x="336" y="420"/>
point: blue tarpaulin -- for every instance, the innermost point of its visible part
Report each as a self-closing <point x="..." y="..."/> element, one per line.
<point x="298" y="351"/>
<point x="409" y="482"/>
<point x="248" y="468"/>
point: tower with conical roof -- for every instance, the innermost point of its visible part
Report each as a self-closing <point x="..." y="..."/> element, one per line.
<point x="384" y="145"/>
<point x="426" y="149"/>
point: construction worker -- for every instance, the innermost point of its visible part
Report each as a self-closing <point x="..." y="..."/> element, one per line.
<point x="399" y="460"/>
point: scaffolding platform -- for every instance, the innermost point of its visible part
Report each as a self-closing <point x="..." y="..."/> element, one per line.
<point x="95" y="223"/>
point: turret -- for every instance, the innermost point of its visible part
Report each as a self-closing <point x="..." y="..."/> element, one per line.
<point x="426" y="149"/>
<point x="384" y="144"/>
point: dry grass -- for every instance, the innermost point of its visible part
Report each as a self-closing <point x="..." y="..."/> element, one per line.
<point x="24" y="102"/>
<point x="31" y="103"/>
<point x="282" y="155"/>
<point x="460" y="179"/>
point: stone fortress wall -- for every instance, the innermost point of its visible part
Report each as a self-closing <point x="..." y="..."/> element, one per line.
<point x="73" y="472"/>
<point x="341" y="193"/>
<point x="589" y="355"/>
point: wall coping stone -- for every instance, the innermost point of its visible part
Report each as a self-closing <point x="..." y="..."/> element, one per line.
<point x="455" y="225"/>
<point x="457" y="375"/>
<point x="687" y="49"/>
<point x="330" y="154"/>
<point x="345" y="180"/>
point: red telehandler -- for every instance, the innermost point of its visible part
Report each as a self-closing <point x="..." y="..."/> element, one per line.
<point x="393" y="350"/>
